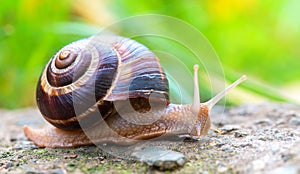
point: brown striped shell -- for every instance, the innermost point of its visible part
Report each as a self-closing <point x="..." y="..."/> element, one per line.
<point x="86" y="78"/>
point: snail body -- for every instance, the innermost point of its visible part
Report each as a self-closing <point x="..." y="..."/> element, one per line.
<point x="112" y="89"/>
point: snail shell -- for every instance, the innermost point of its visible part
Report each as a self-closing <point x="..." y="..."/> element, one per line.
<point x="87" y="76"/>
<point x="83" y="83"/>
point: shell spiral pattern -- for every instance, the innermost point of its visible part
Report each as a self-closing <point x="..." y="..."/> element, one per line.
<point x="84" y="79"/>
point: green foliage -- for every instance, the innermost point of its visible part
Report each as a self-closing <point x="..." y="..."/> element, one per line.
<point x="25" y="41"/>
<point x="258" y="38"/>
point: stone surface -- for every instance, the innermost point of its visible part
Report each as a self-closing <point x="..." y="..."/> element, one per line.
<point x="260" y="138"/>
<point x="160" y="158"/>
<point x="295" y="121"/>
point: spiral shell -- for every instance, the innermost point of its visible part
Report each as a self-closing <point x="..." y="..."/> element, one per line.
<point x="86" y="77"/>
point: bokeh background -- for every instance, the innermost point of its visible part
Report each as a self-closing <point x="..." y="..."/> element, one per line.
<point x="257" y="38"/>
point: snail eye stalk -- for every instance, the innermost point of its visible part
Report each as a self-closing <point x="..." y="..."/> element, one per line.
<point x="219" y="96"/>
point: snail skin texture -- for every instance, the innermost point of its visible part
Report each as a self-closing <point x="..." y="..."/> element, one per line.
<point x="111" y="89"/>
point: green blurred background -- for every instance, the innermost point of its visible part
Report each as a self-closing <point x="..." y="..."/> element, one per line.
<point x="258" y="38"/>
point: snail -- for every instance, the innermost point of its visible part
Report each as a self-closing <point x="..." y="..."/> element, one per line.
<point x="112" y="89"/>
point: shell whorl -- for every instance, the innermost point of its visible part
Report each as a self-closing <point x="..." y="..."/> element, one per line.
<point x="85" y="77"/>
